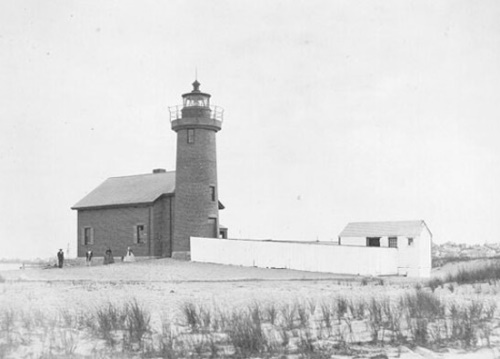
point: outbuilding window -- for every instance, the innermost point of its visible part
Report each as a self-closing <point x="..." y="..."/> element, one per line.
<point x="393" y="242"/>
<point x="410" y="241"/>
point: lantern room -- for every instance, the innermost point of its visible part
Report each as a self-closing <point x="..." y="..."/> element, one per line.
<point x="196" y="98"/>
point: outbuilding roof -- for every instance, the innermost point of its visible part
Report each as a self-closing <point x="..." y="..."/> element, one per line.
<point x="128" y="190"/>
<point x="384" y="229"/>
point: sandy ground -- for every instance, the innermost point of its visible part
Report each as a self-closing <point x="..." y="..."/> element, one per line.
<point x="164" y="270"/>
<point x="164" y="285"/>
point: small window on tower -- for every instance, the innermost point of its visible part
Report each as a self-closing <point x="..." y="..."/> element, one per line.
<point x="190" y="138"/>
<point x="212" y="193"/>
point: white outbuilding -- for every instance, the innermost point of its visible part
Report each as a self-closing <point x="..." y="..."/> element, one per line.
<point x="411" y="239"/>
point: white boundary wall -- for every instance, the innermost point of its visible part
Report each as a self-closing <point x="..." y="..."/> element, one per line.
<point x="306" y="256"/>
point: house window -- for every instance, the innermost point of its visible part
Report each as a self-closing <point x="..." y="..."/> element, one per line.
<point x="88" y="235"/>
<point x="373" y="242"/>
<point x="212" y="193"/>
<point x="139" y="234"/>
<point x="190" y="135"/>
<point x="393" y="242"/>
<point x="410" y="241"/>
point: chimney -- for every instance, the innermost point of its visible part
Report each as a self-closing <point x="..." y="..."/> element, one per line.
<point x="159" y="170"/>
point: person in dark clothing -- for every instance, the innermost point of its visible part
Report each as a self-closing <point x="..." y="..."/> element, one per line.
<point x="60" y="258"/>
<point x="108" y="257"/>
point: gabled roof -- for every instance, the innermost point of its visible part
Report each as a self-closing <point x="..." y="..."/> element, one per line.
<point x="383" y="229"/>
<point x="128" y="190"/>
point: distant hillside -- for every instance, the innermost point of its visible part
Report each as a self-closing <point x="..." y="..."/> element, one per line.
<point x="457" y="252"/>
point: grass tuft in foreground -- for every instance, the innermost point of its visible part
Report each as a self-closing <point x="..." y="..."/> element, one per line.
<point x="336" y="325"/>
<point x="485" y="273"/>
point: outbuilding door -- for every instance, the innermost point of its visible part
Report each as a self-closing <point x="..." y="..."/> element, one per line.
<point x="373" y="242"/>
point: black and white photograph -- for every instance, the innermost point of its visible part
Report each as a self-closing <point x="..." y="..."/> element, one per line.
<point x="250" y="179"/>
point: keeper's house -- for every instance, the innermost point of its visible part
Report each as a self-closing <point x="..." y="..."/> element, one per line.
<point x="411" y="239"/>
<point x="130" y="211"/>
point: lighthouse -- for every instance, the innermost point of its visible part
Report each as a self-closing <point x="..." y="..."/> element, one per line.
<point x="196" y="123"/>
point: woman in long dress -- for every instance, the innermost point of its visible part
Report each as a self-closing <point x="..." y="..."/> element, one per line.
<point x="130" y="256"/>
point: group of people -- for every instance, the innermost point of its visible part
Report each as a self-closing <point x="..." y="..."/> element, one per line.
<point x="108" y="257"/>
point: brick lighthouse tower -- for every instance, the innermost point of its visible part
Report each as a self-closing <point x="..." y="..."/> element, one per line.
<point x="196" y="194"/>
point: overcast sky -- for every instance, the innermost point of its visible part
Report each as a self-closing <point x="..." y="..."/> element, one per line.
<point x="335" y="111"/>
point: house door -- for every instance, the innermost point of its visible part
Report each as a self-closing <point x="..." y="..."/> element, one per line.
<point x="158" y="247"/>
<point x="212" y="228"/>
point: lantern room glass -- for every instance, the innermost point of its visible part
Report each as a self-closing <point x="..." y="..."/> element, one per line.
<point x="199" y="100"/>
